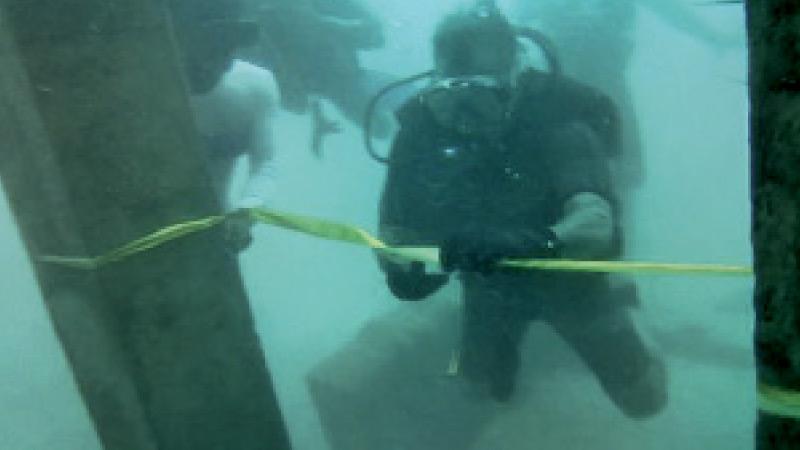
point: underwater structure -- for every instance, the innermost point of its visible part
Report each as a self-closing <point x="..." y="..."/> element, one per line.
<point x="162" y="345"/>
<point x="773" y="33"/>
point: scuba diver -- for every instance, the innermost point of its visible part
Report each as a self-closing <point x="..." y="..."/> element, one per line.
<point x="595" y="43"/>
<point x="312" y="47"/>
<point x="490" y="163"/>
<point x="233" y="103"/>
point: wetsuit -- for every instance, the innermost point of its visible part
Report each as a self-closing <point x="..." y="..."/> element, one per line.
<point x="440" y="183"/>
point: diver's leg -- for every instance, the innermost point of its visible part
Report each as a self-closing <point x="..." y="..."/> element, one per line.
<point x="602" y="332"/>
<point x="490" y="341"/>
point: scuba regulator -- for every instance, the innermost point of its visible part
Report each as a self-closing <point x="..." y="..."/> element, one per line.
<point x="470" y="88"/>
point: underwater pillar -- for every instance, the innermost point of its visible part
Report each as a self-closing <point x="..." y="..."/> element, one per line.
<point x="774" y="41"/>
<point x="97" y="147"/>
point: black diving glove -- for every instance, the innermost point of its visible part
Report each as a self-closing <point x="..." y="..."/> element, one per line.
<point x="414" y="283"/>
<point x="481" y="250"/>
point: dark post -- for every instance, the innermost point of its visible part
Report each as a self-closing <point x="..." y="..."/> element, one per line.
<point x="97" y="147"/>
<point x="774" y="38"/>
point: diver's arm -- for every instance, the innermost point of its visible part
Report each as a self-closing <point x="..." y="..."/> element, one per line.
<point x="680" y="16"/>
<point x="406" y="280"/>
<point x="393" y="210"/>
<point x="262" y="175"/>
<point x="397" y="211"/>
<point x="579" y="167"/>
<point x="261" y="181"/>
<point x="586" y="229"/>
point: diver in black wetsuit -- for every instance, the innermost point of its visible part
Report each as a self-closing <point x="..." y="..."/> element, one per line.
<point x="491" y="164"/>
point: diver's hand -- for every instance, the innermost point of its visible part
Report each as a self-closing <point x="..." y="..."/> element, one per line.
<point x="237" y="231"/>
<point x="411" y="282"/>
<point x="480" y="250"/>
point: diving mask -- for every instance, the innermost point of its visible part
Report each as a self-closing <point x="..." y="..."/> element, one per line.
<point x="470" y="105"/>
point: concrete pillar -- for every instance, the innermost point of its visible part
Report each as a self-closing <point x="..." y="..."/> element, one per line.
<point x="97" y="147"/>
<point x="774" y="38"/>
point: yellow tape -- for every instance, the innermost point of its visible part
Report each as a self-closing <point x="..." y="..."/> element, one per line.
<point x="353" y="235"/>
<point x="778" y="401"/>
<point x="316" y="227"/>
<point x="630" y="267"/>
<point x="140" y="245"/>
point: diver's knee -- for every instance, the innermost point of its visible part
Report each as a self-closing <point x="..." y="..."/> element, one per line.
<point x="647" y="396"/>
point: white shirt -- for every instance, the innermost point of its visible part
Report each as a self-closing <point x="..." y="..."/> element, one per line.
<point x="243" y="103"/>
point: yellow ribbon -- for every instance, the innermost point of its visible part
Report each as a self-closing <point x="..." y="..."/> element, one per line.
<point x="778" y="401"/>
<point x="346" y="233"/>
<point x="140" y="245"/>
